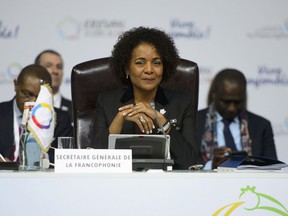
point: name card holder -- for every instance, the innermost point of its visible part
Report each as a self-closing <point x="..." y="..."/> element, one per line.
<point x="93" y="161"/>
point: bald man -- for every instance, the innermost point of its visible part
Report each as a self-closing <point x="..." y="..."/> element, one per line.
<point x="53" y="62"/>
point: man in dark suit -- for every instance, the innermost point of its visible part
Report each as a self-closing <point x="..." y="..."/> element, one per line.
<point x="53" y="62"/>
<point x="27" y="87"/>
<point x="251" y="133"/>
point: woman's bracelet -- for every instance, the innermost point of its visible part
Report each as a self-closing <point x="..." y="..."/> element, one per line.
<point x="166" y="127"/>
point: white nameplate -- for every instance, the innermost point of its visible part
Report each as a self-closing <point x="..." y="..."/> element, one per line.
<point x="93" y="161"/>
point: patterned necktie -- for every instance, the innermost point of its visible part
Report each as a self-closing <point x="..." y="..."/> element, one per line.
<point x="229" y="140"/>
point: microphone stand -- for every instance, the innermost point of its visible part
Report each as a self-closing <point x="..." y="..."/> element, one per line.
<point x="167" y="151"/>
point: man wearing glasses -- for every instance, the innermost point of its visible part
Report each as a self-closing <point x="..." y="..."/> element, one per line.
<point x="27" y="88"/>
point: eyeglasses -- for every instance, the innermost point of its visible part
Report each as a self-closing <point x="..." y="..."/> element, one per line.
<point x="26" y="95"/>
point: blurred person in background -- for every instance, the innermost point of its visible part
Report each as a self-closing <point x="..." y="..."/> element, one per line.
<point x="251" y="133"/>
<point x="27" y="88"/>
<point x="53" y="62"/>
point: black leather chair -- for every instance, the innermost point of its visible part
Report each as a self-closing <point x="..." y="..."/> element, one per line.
<point x="91" y="77"/>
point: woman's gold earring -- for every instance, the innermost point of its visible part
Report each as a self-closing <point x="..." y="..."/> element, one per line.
<point x="127" y="75"/>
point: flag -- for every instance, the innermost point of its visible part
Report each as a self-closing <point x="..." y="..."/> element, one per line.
<point x="43" y="118"/>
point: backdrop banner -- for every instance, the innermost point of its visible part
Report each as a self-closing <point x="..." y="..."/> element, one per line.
<point x="251" y="36"/>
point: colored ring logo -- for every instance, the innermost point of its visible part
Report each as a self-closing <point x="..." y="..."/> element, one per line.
<point x="13" y="70"/>
<point x="34" y="118"/>
<point x="69" y="28"/>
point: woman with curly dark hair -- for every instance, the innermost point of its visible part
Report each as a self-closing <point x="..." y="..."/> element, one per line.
<point x="164" y="45"/>
<point x="142" y="58"/>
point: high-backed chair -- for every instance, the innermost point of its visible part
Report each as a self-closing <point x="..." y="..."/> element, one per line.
<point x="91" y="77"/>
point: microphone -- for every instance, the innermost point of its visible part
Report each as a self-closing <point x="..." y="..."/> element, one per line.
<point x="167" y="150"/>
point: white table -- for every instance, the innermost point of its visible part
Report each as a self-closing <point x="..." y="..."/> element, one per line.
<point x="158" y="193"/>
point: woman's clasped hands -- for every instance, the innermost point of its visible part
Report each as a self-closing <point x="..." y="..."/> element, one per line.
<point x="141" y="114"/>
